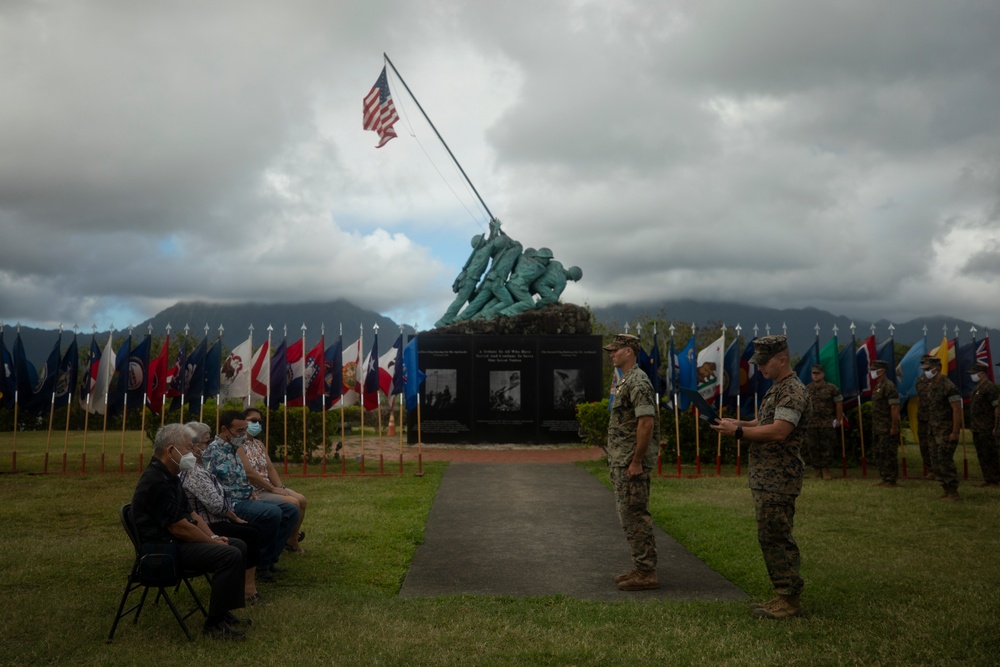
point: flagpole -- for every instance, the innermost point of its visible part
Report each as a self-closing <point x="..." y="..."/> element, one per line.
<point x="343" y="436"/>
<point x="697" y="415"/>
<point x="52" y="407"/>
<point x="440" y="138"/>
<point x="739" y="356"/>
<point x="163" y="394"/>
<point x="145" y="399"/>
<point x="305" y="456"/>
<point x="378" y="403"/>
<point x="398" y="369"/>
<point x="659" y="447"/>
<point x="420" y="441"/>
<point x="965" y="453"/>
<point x="128" y="357"/>
<point x="90" y="400"/>
<point x="721" y="374"/>
<point x="322" y="399"/>
<point x="104" y="432"/>
<point x="677" y="424"/>
<point x="69" y="401"/>
<point x="361" y="385"/>
<point x="284" y="444"/>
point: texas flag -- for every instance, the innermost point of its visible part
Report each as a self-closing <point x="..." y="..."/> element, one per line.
<point x="390" y="369"/>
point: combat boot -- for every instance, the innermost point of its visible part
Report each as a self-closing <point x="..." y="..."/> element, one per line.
<point x="754" y="606"/>
<point x="950" y="496"/>
<point x="826" y="474"/>
<point x="622" y="577"/>
<point x="639" y="581"/>
<point x="787" y="606"/>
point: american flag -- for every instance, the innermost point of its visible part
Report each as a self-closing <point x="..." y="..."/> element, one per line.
<point x="379" y="112"/>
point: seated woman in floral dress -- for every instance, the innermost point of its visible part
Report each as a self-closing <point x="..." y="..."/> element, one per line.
<point x="264" y="477"/>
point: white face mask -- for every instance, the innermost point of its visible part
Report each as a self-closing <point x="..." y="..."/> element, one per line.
<point x="873" y="374"/>
<point x="929" y="375"/>
<point x="187" y="462"/>
<point x="975" y="377"/>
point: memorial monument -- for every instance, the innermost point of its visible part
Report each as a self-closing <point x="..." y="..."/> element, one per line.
<point x="507" y="362"/>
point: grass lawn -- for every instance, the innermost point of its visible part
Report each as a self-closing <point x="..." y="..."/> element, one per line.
<point x="892" y="578"/>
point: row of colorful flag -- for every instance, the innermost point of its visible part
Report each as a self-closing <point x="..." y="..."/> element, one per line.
<point x="723" y="374"/>
<point x="290" y="374"/>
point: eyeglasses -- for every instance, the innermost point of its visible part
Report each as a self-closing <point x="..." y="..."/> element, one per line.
<point x="254" y="421"/>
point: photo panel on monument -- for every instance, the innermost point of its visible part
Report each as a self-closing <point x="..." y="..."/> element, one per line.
<point x="446" y="413"/>
<point x="569" y="373"/>
<point x="505" y="386"/>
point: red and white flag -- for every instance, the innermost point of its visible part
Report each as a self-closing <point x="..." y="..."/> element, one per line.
<point x="236" y="372"/>
<point x="260" y="373"/>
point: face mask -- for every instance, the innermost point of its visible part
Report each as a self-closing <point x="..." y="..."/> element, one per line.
<point x="929" y="375"/>
<point x="975" y="376"/>
<point x="238" y="440"/>
<point x="873" y="374"/>
<point x="187" y="462"/>
<point x="254" y="428"/>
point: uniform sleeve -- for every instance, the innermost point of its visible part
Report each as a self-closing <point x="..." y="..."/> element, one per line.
<point x="641" y="394"/>
<point x="954" y="395"/>
<point x="893" y="395"/>
<point x="790" y="406"/>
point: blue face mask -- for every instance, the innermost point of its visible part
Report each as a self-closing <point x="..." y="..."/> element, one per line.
<point x="254" y="429"/>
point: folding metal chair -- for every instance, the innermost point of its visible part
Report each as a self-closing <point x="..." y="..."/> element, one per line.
<point x="136" y="581"/>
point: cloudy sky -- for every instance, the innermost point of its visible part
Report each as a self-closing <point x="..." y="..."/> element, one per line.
<point x="843" y="155"/>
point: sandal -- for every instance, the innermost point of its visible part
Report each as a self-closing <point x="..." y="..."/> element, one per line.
<point x="302" y="535"/>
<point x="255" y="600"/>
<point x="298" y="551"/>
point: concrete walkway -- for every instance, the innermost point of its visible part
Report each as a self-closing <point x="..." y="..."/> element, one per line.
<point x="537" y="529"/>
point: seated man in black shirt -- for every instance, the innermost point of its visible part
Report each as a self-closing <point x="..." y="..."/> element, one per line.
<point x="161" y="513"/>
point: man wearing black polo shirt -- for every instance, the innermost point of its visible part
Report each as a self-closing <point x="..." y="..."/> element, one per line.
<point x="161" y="513"/>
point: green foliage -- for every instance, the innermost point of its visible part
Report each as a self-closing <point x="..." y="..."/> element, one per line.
<point x="593" y="419"/>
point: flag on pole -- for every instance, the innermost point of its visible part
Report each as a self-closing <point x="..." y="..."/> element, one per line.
<point x="887" y="352"/>
<point x="279" y="378"/>
<point x="213" y="370"/>
<point x="687" y="375"/>
<point x="731" y="390"/>
<point x="349" y="369"/>
<point x="156" y="386"/>
<point x="133" y="377"/>
<point x="314" y="372"/>
<point x="193" y="377"/>
<point x="41" y="396"/>
<point x="69" y="368"/>
<point x="909" y="370"/>
<point x="234" y="373"/>
<point x="804" y="368"/>
<point x="119" y="383"/>
<point x="379" y="111"/>
<point x="371" y="379"/>
<point x="102" y="382"/>
<point x="390" y="371"/>
<point x="333" y="376"/>
<point x="985" y="356"/>
<point x="25" y="374"/>
<point x="294" y="373"/>
<point x="413" y="377"/>
<point x="89" y="374"/>
<point x="7" y="385"/>
<point x="710" y="369"/>
<point x="849" y="372"/>
<point x="259" y="372"/>
<point x="865" y="357"/>
<point x="965" y="356"/>
<point x="829" y="357"/>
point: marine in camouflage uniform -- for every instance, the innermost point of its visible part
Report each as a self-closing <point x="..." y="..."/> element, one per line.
<point x="775" y="472"/>
<point x="921" y="386"/>
<point x="631" y="457"/>
<point x="885" y="424"/>
<point x="944" y="406"/>
<point x="827" y="414"/>
<point x="984" y="415"/>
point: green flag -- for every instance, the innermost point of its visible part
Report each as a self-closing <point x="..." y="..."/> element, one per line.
<point x="829" y="357"/>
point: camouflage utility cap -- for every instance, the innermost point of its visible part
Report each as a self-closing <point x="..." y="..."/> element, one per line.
<point x="925" y="361"/>
<point x="880" y="365"/>
<point x="934" y="362"/>
<point x="766" y="347"/>
<point x="979" y="368"/>
<point x="622" y="340"/>
<point x="818" y="368"/>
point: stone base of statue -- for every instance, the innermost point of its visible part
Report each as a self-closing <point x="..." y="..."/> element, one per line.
<point x="508" y="380"/>
<point x="557" y="319"/>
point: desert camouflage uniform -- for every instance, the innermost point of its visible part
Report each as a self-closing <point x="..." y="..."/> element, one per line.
<point x="775" y="479"/>
<point x="921" y="386"/>
<point x="982" y="415"/>
<point x="884" y="396"/>
<point x="821" y="436"/>
<point x="940" y="397"/>
<point x="634" y="398"/>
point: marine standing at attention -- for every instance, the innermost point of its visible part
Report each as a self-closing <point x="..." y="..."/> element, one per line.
<point x="775" y="472"/>
<point x="631" y="457"/>
<point x="827" y="415"/>
<point x="885" y="423"/>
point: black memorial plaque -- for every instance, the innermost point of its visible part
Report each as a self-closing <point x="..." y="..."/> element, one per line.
<point x="505" y="389"/>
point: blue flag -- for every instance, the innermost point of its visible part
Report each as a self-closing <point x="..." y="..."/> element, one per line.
<point x="213" y="370"/>
<point x="849" y="372"/>
<point x="731" y="364"/>
<point x="25" y="374"/>
<point x="887" y="352"/>
<point x="90" y="373"/>
<point x="40" y="397"/>
<point x="397" y="368"/>
<point x="965" y="356"/>
<point x="804" y="368"/>
<point x="413" y="377"/>
<point x="279" y="378"/>
<point x="687" y="376"/>
<point x="909" y="371"/>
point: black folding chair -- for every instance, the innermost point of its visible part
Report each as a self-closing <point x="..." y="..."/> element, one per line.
<point x="136" y="580"/>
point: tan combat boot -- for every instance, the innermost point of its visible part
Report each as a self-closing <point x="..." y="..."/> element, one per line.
<point x="826" y="474"/>
<point x="622" y="577"/>
<point x="950" y="496"/>
<point x="787" y="606"/>
<point x="639" y="581"/>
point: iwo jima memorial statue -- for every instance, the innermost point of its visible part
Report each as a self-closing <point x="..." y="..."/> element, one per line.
<point x="506" y="362"/>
